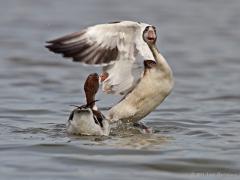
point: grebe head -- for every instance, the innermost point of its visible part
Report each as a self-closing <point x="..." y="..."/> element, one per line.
<point x="150" y="35"/>
<point x="92" y="84"/>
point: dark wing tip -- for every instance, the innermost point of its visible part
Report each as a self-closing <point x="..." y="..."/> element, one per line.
<point x="114" y="22"/>
<point x="48" y="46"/>
<point x="53" y="41"/>
<point x="67" y="37"/>
<point x="53" y="47"/>
<point x="80" y="50"/>
<point x="50" y="41"/>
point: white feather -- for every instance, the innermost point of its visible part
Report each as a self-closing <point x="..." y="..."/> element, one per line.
<point x="83" y="123"/>
<point x="115" y="44"/>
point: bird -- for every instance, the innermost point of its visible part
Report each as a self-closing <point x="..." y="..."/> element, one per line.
<point x="153" y="87"/>
<point x="87" y="119"/>
<point x="115" y="46"/>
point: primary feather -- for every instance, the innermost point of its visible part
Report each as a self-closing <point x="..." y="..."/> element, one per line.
<point x="113" y="45"/>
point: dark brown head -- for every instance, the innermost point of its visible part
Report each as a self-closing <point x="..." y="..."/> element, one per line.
<point x="91" y="87"/>
<point x="150" y="35"/>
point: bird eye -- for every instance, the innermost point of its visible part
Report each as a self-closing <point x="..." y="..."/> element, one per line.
<point x="147" y="28"/>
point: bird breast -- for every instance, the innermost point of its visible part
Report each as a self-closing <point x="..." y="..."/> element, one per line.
<point x="152" y="89"/>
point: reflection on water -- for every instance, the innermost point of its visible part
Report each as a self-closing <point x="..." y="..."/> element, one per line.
<point x="196" y="128"/>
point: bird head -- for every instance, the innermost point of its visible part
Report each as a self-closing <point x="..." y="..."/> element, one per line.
<point x="150" y="35"/>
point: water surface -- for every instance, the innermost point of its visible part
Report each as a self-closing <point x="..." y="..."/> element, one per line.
<point x="197" y="127"/>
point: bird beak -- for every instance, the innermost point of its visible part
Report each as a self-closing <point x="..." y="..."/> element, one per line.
<point x="151" y="35"/>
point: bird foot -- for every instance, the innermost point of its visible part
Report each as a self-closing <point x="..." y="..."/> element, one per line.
<point x="143" y="128"/>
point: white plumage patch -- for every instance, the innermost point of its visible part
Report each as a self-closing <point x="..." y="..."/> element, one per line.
<point x="82" y="123"/>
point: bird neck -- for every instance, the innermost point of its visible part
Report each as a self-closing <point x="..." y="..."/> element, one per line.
<point x="160" y="60"/>
<point x="90" y="98"/>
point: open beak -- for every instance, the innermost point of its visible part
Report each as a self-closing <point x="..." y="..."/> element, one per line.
<point x="151" y="35"/>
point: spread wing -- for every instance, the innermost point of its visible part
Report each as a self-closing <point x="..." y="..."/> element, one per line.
<point x="123" y="75"/>
<point x="115" y="45"/>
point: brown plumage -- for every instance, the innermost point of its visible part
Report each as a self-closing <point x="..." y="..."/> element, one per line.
<point x="91" y="87"/>
<point x="98" y="117"/>
<point x="82" y="50"/>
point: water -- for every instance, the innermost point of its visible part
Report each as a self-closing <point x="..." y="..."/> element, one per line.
<point x="197" y="126"/>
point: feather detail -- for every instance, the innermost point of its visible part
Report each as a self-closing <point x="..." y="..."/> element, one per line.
<point x="114" y="44"/>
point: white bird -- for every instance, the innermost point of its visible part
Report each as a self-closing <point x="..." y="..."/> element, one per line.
<point x="114" y="45"/>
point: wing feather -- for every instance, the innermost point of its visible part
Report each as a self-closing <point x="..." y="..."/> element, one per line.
<point x="106" y="44"/>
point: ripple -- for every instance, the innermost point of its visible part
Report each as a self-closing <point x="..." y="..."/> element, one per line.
<point x="202" y="133"/>
<point x="193" y="165"/>
<point x="27" y="62"/>
<point x="30" y="111"/>
<point x="174" y="110"/>
<point x="222" y="98"/>
<point x="197" y="127"/>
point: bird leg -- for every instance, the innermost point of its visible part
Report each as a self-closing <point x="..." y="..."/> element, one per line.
<point x="143" y="128"/>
